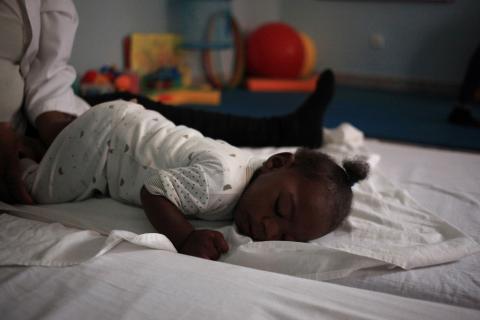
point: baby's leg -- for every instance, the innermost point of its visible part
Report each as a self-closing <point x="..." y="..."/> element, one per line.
<point x="74" y="165"/>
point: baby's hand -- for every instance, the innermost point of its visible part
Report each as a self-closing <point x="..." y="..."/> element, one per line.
<point x="206" y="244"/>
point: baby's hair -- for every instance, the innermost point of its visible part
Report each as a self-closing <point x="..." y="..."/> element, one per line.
<point x="355" y="169"/>
<point x="339" y="180"/>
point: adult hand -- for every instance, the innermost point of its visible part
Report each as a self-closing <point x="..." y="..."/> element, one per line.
<point x="206" y="244"/>
<point x="12" y="187"/>
<point x="50" y="124"/>
<point x="31" y="148"/>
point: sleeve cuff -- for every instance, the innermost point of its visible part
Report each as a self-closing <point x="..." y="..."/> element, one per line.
<point x="68" y="103"/>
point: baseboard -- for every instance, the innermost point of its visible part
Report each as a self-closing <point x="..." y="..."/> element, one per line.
<point x="398" y="84"/>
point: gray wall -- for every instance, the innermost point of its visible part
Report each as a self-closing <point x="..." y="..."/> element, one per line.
<point x="422" y="40"/>
<point x="104" y="24"/>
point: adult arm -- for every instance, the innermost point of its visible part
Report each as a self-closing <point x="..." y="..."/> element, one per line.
<point x="170" y="221"/>
<point x="50" y="124"/>
<point x="12" y="188"/>
<point x="14" y="146"/>
<point x="50" y="102"/>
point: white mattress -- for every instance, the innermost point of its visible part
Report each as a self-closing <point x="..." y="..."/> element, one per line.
<point x="133" y="283"/>
<point x="444" y="182"/>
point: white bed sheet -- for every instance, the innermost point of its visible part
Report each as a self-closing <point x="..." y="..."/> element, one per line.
<point x="386" y="228"/>
<point x="445" y="182"/>
<point x="133" y="283"/>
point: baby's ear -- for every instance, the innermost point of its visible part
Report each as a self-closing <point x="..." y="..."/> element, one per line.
<point x="279" y="160"/>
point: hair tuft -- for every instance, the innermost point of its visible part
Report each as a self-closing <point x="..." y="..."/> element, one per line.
<point x="356" y="170"/>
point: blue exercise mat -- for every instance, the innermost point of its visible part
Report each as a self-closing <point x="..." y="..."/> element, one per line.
<point x="403" y="117"/>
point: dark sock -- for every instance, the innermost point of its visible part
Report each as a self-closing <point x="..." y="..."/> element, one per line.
<point x="464" y="117"/>
<point x="303" y="127"/>
<point x="309" y="116"/>
<point x="321" y="97"/>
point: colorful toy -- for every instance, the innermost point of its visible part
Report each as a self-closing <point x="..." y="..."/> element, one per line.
<point x="282" y="85"/>
<point x="127" y="82"/>
<point x="158" y="59"/>
<point x="280" y="59"/>
<point x="107" y="80"/>
<point x="94" y="83"/>
<point x="185" y="96"/>
<point x="163" y="78"/>
<point x="310" y="58"/>
<point x="89" y="76"/>
<point x="238" y="47"/>
<point x="275" y="50"/>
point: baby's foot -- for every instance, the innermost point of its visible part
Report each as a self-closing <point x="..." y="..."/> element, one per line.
<point x="309" y="116"/>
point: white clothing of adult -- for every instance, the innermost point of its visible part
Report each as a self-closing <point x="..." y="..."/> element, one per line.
<point x="34" y="60"/>
<point x="118" y="147"/>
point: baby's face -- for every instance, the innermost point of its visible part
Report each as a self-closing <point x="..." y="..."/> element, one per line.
<point x="281" y="204"/>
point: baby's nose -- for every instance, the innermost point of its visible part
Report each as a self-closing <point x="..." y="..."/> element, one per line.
<point x="272" y="229"/>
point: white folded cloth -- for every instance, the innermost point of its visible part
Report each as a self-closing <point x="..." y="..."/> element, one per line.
<point x="33" y="243"/>
<point x="344" y="134"/>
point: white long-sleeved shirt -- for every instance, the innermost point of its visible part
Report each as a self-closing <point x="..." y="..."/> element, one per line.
<point x="49" y="29"/>
<point x="118" y="147"/>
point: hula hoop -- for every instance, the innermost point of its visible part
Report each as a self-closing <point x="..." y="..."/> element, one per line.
<point x="239" y="48"/>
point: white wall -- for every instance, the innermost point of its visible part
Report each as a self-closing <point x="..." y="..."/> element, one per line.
<point x="422" y="40"/>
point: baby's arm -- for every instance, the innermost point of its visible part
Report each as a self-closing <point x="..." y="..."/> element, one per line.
<point x="170" y="221"/>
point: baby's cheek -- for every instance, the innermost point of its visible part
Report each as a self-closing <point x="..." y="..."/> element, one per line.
<point x="272" y="229"/>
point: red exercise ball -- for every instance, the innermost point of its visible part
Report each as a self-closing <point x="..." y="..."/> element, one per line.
<point x="275" y="50"/>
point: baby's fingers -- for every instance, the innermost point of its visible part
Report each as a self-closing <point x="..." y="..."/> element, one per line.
<point x="220" y="243"/>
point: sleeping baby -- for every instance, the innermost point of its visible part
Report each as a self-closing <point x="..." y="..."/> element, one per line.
<point x="137" y="156"/>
